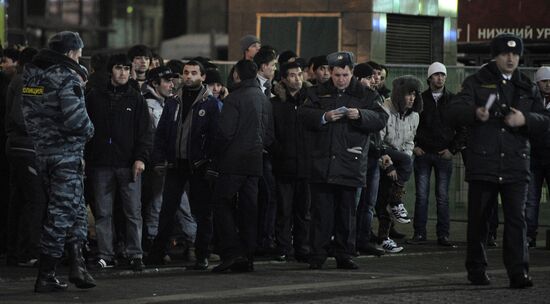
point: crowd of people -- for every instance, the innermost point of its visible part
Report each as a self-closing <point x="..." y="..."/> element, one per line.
<point x="290" y="158"/>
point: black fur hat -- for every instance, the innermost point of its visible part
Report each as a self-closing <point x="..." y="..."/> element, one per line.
<point x="402" y="86"/>
<point x="506" y="43"/>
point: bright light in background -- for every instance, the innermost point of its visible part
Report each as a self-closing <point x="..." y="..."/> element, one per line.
<point x="379" y="22"/>
<point x="448" y="7"/>
<point x="129" y="9"/>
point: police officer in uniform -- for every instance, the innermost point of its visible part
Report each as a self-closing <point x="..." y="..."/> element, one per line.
<point x="501" y="106"/>
<point x="56" y="118"/>
<point x="340" y="119"/>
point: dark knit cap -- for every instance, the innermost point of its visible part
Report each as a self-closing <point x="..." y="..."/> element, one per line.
<point x="213" y="76"/>
<point x="362" y="70"/>
<point x="318" y="61"/>
<point x="65" y="41"/>
<point x="247" y="41"/>
<point x="505" y="43"/>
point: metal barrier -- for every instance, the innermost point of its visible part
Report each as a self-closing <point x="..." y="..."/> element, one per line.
<point x="458" y="192"/>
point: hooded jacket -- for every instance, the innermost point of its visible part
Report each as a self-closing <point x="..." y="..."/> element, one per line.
<point x="123" y="131"/>
<point x="400" y="130"/>
<point x="53" y="104"/>
<point x="496" y="152"/>
<point x="339" y="149"/>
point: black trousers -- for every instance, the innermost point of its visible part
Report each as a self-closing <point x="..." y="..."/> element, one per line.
<point x="333" y="212"/>
<point x="200" y="194"/>
<point x="27" y="207"/>
<point x="293" y="216"/>
<point x="236" y="220"/>
<point x="481" y="196"/>
<point x="267" y="205"/>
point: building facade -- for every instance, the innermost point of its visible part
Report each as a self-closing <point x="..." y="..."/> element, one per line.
<point x="389" y="31"/>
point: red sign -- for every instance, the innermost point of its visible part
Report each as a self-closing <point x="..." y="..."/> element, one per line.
<point x="481" y="20"/>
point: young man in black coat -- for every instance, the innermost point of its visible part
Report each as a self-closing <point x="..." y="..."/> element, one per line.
<point x="116" y="157"/>
<point x="435" y="144"/>
<point x="243" y="128"/>
<point x="290" y="154"/>
<point x="340" y="119"/>
<point x="501" y="106"/>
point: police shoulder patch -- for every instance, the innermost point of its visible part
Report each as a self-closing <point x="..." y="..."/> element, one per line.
<point x="33" y="91"/>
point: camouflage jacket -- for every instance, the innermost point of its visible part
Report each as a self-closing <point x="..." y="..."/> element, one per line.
<point x="53" y="104"/>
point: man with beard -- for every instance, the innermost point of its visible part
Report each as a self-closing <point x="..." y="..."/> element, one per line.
<point x="183" y="144"/>
<point x="435" y="144"/>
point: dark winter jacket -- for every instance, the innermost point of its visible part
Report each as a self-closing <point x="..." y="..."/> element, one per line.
<point x="204" y="117"/>
<point x="495" y="152"/>
<point x="434" y="134"/>
<point x="243" y="130"/>
<point x="18" y="140"/>
<point x="289" y="150"/>
<point x="53" y="105"/>
<point x="123" y="131"/>
<point x="339" y="149"/>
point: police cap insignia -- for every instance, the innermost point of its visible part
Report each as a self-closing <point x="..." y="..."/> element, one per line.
<point x="511" y="43"/>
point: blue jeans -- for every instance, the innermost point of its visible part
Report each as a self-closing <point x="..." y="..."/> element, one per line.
<point x="422" y="172"/>
<point x="106" y="182"/>
<point x="539" y="173"/>
<point x="365" y="210"/>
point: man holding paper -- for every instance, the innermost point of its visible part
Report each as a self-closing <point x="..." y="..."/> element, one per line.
<point x="498" y="155"/>
<point x="340" y="119"/>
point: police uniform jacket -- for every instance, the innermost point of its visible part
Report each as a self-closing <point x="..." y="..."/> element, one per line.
<point x="498" y="153"/>
<point x="53" y="105"/>
<point x="339" y="149"/>
<point x="204" y="117"/>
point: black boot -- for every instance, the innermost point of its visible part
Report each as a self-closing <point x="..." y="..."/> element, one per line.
<point x="78" y="275"/>
<point x="46" y="280"/>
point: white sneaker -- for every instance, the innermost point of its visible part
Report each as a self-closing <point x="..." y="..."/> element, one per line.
<point x="399" y="214"/>
<point x="402" y="211"/>
<point x="390" y="246"/>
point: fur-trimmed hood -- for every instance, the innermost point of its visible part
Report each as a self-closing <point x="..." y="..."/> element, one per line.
<point x="280" y="89"/>
<point x="402" y="86"/>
